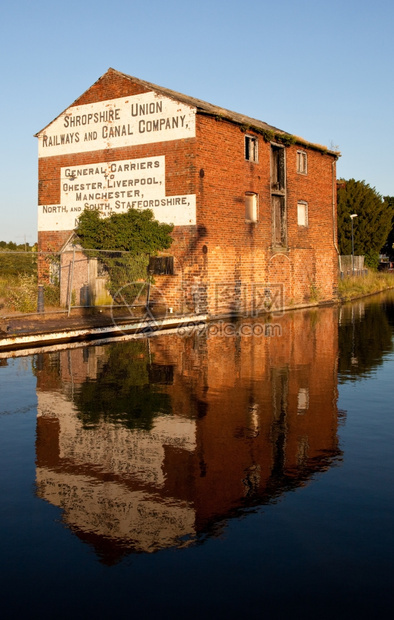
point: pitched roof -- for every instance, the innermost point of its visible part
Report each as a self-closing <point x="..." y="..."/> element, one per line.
<point x="203" y="107"/>
<point x="214" y="110"/>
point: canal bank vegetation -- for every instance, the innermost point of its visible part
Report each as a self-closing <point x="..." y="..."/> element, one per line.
<point x="361" y="286"/>
<point x="18" y="279"/>
<point x="18" y="293"/>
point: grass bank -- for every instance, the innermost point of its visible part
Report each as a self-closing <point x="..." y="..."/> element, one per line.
<point x="19" y="294"/>
<point x="360" y="286"/>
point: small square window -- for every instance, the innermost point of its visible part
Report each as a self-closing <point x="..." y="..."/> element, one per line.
<point x="251" y="152"/>
<point x="161" y="265"/>
<point x="302" y="162"/>
<point x="302" y="214"/>
<point x="251" y="207"/>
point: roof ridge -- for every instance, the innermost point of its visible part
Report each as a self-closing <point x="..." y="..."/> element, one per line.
<point x="269" y="132"/>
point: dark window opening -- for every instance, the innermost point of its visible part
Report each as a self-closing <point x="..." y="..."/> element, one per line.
<point x="251" y="153"/>
<point x="278" y="195"/>
<point x="161" y="265"/>
<point x="161" y="374"/>
<point x="278" y="168"/>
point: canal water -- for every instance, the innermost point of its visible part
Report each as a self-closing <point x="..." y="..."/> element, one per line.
<point x="235" y="469"/>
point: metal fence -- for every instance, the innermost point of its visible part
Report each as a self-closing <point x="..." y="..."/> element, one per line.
<point x="351" y="266"/>
<point x="117" y="282"/>
<point x="32" y="282"/>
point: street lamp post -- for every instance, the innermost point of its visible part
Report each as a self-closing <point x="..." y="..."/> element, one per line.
<point x="353" y="215"/>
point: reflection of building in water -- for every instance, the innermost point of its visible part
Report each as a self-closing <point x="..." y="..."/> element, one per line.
<point x="106" y="478"/>
<point x="239" y="420"/>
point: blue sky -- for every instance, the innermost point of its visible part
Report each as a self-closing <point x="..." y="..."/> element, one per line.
<point x="321" y="70"/>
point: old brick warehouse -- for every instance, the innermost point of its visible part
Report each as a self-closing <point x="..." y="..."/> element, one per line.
<point x="254" y="207"/>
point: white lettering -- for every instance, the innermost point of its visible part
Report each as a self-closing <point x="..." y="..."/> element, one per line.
<point x="116" y="186"/>
<point x="126" y="121"/>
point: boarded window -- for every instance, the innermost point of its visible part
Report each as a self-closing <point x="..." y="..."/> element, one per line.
<point x="279" y="220"/>
<point x="302" y="162"/>
<point x="161" y="265"/>
<point x="251" y="153"/>
<point x="302" y="214"/>
<point x="251" y="207"/>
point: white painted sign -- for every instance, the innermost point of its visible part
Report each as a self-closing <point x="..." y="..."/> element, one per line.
<point x="115" y="187"/>
<point x="127" y="121"/>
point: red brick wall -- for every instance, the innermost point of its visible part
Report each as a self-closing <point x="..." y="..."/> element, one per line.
<point x="240" y="249"/>
<point x="223" y="250"/>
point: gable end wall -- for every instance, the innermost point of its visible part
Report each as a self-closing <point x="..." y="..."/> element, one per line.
<point x="224" y="263"/>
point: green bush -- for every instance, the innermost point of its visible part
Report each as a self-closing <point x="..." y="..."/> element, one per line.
<point x="52" y="295"/>
<point x="372" y="259"/>
<point x="135" y="232"/>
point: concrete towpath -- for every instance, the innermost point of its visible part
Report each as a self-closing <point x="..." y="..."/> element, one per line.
<point x="25" y="331"/>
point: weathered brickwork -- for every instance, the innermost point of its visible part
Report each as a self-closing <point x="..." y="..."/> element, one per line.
<point x="222" y="259"/>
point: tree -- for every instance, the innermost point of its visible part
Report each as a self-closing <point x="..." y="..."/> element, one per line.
<point x="374" y="328"/>
<point x="134" y="232"/>
<point x="123" y="392"/>
<point x="388" y="247"/>
<point x="373" y="222"/>
<point x="17" y="260"/>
